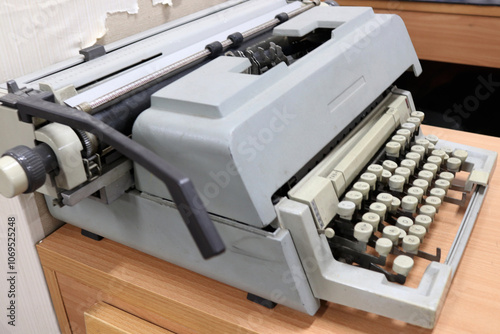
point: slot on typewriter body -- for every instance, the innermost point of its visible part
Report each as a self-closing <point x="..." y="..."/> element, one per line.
<point x="295" y="164"/>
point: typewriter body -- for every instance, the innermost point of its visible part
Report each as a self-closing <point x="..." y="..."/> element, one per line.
<point x="267" y="135"/>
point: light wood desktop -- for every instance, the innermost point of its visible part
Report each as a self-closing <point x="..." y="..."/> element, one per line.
<point x="110" y="287"/>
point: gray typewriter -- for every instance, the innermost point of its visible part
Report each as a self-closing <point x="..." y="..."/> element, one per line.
<point x="262" y="144"/>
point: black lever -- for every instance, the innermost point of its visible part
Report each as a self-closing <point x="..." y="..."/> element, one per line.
<point x="180" y="186"/>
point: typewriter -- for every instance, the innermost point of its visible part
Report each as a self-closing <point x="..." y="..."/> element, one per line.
<point x="263" y="145"/>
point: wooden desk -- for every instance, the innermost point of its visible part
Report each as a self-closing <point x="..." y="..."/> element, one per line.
<point x="143" y="290"/>
<point x="454" y="33"/>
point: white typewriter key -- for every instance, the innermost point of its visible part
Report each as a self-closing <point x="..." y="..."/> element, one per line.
<point x="438" y="192"/>
<point x="432" y="138"/>
<point x="435" y="160"/>
<point x="448" y="150"/>
<point x="329" y="232"/>
<point x="417" y="230"/>
<point x="418" y="114"/>
<point x="453" y="164"/>
<point x="345" y="209"/>
<point x="383" y="246"/>
<point x="402" y="265"/>
<point x="396" y="203"/>
<point x="414" y="120"/>
<point x="428" y="210"/>
<point x="402" y="234"/>
<point x="424" y="221"/>
<point x="416" y="192"/>
<point x="379" y="209"/>
<point x="423" y="142"/>
<point x="354" y="196"/>
<point x="404" y="172"/>
<point x="376" y="169"/>
<point x="411" y="244"/>
<point x="369" y="178"/>
<point x="386" y="176"/>
<point x="431" y="168"/>
<point x="371" y="218"/>
<point x="418" y="149"/>
<point x="362" y="187"/>
<point x="401" y="140"/>
<point x="442" y="184"/>
<point x="433" y="201"/>
<point x="409" y="126"/>
<point x="431" y="147"/>
<point x="447" y="176"/>
<point x="426" y="175"/>
<point x="460" y="154"/>
<point x="404" y="223"/>
<point x="363" y="231"/>
<point x="405" y="133"/>
<point x="385" y="199"/>
<point x="421" y="184"/>
<point x="413" y="156"/>
<point x="438" y="153"/>
<point x="392" y="149"/>
<point x="389" y="165"/>
<point x="410" y="164"/>
<point x="409" y="203"/>
<point x="391" y="233"/>
<point x="396" y="183"/>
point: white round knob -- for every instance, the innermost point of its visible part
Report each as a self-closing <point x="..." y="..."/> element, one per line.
<point x="409" y="203"/>
<point x="421" y="184"/>
<point x="346" y="209"/>
<point x="413" y="156"/>
<point x="460" y="154"/>
<point x="385" y="199"/>
<point x="418" y="231"/>
<point x="442" y="184"/>
<point x="396" y="203"/>
<point x="428" y="210"/>
<point x="431" y="168"/>
<point x="371" y="218"/>
<point x="401" y="140"/>
<point x="354" y="196"/>
<point x="431" y="147"/>
<point x="453" y="164"/>
<point x="329" y="232"/>
<point x="418" y="149"/>
<point x="402" y="265"/>
<point x="386" y="175"/>
<point x="392" y="149"/>
<point x="410" y="164"/>
<point x="363" y="231"/>
<point x="13" y="178"/>
<point x="402" y="234"/>
<point x="409" y="126"/>
<point x="432" y="138"/>
<point x="404" y="223"/>
<point x="416" y="192"/>
<point x="423" y="142"/>
<point x="418" y="114"/>
<point x="448" y="150"/>
<point x="383" y="246"/>
<point x="447" y="176"/>
<point x="396" y="183"/>
<point x="426" y="175"/>
<point x="433" y="201"/>
<point x="390" y="165"/>
<point x="404" y="172"/>
<point x="438" y="153"/>
<point x="438" y="192"/>
<point x="435" y="160"/>
<point x="392" y="233"/>
<point x="363" y="188"/>
<point x="379" y="209"/>
<point x="405" y="133"/>
<point x="375" y="169"/>
<point x="424" y="221"/>
<point x="414" y="120"/>
<point x="411" y="244"/>
<point x="369" y="178"/>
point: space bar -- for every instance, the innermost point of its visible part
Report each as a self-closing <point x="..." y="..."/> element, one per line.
<point x="350" y="166"/>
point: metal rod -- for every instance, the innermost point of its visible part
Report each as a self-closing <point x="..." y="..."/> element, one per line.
<point x="89" y="107"/>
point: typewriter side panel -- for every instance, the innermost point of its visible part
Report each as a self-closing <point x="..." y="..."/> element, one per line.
<point x="262" y="263"/>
